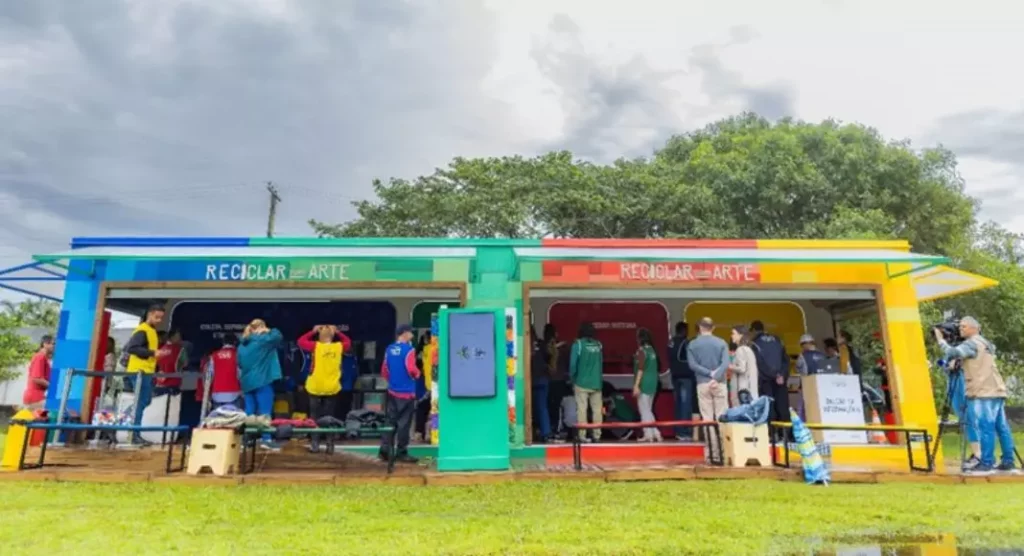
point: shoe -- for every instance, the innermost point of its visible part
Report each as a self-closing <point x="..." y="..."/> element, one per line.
<point x="382" y="456"/>
<point x="644" y="439"/>
<point x="269" y="446"/>
<point x="314" y="448"/>
<point x="981" y="470"/>
<point x="586" y="440"/>
<point x="1007" y="466"/>
<point x="141" y="442"/>
<point x="406" y="458"/>
<point x="971" y="463"/>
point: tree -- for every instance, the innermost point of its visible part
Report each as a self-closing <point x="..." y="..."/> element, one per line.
<point x="741" y="177"/>
<point x="33" y="312"/>
<point x="15" y="347"/>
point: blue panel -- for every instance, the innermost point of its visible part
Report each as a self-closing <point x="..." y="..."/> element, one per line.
<point x="80" y="296"/>
<point x="79" y="242"/>
<point x="62" y="325"/>
<point x="80" y="325"/>
<point x="120" y="271"/>
<point x="471" y="357"/>
<point x="100" y="270"/>
<point x="80" y="270"/>
<point x="147" y="270"/>
<point x="68" y="354"/>
<point x="222" y="271"/>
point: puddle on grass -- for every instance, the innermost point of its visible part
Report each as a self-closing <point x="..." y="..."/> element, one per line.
<point x="921" y="545"/>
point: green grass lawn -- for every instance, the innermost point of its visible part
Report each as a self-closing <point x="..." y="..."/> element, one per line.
<point x="705" y="517"/>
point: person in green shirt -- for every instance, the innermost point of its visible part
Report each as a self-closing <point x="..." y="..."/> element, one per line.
<point x="645" y="383"/>
<point x="586" y="370"/>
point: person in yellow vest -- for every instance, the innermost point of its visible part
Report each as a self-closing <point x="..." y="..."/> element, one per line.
<point x="327" y="346"/>
<point x="426" y="355"/>
<point x="141" y="350"/>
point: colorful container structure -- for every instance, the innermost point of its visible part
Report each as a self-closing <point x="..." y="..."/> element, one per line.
<point x="795" y="287"/>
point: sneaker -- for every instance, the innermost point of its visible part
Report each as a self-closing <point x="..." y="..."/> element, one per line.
<point x="406" y="458"/>
<point x="971" y="463"/>
<point x="1007" y="466"/>
<point x="269" y="446"/>
<point x="314" y="448"/>
<point x="382" y="456"/>
<point x="981" y="470"/>
<point x="586" y="440"/>
<point x="141" y="442"/>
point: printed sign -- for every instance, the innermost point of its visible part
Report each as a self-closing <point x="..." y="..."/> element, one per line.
<point x="305" y="270"/>
<point x="836" y="400"/>
<point x="688" y="272"/>
<point x="471" y="357"/>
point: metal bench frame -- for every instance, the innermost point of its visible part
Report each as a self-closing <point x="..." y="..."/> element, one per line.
<point x="907" y="432"/>
<point x="716" y="457"/>
<point x="46" y="426"/>
<point x="251" y="436"/>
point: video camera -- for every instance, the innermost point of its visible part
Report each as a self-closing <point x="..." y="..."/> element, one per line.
<point x="950" y="329"/>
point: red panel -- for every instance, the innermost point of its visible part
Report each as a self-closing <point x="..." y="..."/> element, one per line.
<point x="616" y="323"/>
<point x="97" y="364"/>
<point x="652" y="243"/>
<point x="628" y="452"/>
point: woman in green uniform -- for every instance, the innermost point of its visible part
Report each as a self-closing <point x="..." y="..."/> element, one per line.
<point x="645" y="383"/>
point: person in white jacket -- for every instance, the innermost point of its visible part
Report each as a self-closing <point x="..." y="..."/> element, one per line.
<point x="743" y="369"/>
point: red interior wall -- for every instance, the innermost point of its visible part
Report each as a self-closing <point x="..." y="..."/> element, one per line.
<point x="616" y="324"/>
<point x="97" y="364"/>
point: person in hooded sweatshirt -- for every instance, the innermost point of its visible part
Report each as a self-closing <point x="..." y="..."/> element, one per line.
<point x="258" y="367"/>
<point x="586" y="373"/>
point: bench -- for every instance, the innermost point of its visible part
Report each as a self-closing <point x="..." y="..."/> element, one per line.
<point x="907" y="431"/>
<point x="251" y="435"/>
<point x="47" y="426"/>
<point x="714" y="449"/>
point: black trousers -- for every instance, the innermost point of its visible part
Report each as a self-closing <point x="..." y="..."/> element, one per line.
<point x="422" y="415"/>
<point x="780" y="398"/>
<point x="398" y="412"/>
<point x="344" y="405"/>
<point x="557" y="389"/>
<point x="320" y="406"/>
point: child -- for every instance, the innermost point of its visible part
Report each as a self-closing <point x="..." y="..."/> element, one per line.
<point x="324" y="381"/>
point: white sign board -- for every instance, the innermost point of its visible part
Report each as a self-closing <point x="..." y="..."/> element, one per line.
<point x="838" y="402"/>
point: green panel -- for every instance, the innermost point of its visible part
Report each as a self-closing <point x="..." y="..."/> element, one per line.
<point x="390" y="242"/>
<point x="404" y="276"/>
<point x="313" y="270"/>
<point x="405" y="265"/>
<point x="491" y="287"/>
<point x="473" y="433"/>
<point x="451" y="270"/>
<point x="362" y="271"/>
<point x="531" y="271"/>
<point x="497" y="259"/>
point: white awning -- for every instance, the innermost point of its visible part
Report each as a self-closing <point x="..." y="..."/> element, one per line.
<point x="257" y="253"/>
<point x="943" y="281"/>
<point x="730" y="255"/>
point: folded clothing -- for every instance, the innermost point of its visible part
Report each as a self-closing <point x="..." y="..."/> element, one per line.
<point x="225" y="417"/>
<point x="296" y="423"/>
<point x="329" y="422"/>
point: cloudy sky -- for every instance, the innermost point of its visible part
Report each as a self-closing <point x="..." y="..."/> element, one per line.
<point x="142" y="117"/>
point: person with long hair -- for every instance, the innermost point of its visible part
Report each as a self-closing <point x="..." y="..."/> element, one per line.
<point x="258" y="368"/>
<point x="645" y="382"/>
<point x="586" y="371"/>
<point x="743" y="382"/>
<point x="557" y="361"/>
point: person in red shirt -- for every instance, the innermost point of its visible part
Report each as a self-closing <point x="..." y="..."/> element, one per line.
<point x="224" y="386"/>
<point x="39" y="375"/>
<point x="170" y="358"/>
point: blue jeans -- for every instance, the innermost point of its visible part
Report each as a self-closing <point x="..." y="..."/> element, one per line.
<point x="145" y="395"/>
<point x="682" y="394"/>
<point x="990" y="415"/>
<point x="541" y="416"/>
<point x="957" y="393"/>
<point x="260" y="402"/>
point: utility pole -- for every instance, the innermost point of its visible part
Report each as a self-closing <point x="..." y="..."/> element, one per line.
<point x="274" y="200"/>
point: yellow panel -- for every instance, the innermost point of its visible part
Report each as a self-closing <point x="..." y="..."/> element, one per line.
<point x="831" y="244"/>
<point x="903" y="314"/>
<point x="872" y="457"/>
<point x="785" y="319"/>
<point x="965" y="282"/>
<point x="823" y="273"/>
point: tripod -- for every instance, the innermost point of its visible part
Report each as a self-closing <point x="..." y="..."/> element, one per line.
<point x="956" y="377"/>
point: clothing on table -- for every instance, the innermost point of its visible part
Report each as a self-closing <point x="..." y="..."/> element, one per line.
<point x="592" y="399"/>
<point x="40" y="368"/>
<point x="990" y="414"/>
<point x="296" y="423"/>
<point x="586" y="364"/>
<point x="682" y="395"/>
<point x="708" y="357"/>
<point x="399" y="412"/>
<point x="400" y="370"/>
<point x="225" y="417"/>
<point x="645" y="403"/>
<point x="744" y="375"/>
<point x="713" y="403"/>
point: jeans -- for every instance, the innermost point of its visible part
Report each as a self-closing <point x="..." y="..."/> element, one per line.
<point x="593" y="398"/>
<point x="260" y="402"/>
<point x="990" y="416"/>
<point x="956" y="391"/>
<point x="682" y="392"/>
<point x="399" y="412"/>
<point x="145" y="395"/>
<point x="645" y="403"/>
<point x="541" y="416"/>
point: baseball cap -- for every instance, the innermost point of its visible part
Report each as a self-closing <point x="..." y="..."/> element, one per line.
<point x="806" y="339"/>
<point x="402" y="329"/>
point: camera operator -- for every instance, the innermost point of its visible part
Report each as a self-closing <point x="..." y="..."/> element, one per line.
<point x="986" y="393"/>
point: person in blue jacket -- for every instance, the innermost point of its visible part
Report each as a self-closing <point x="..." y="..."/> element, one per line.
<point x="258" y="368"/>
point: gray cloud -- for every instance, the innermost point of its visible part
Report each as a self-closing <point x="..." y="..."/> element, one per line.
<point x="137" y="117"/>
